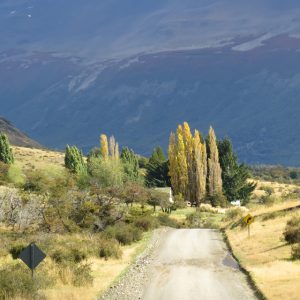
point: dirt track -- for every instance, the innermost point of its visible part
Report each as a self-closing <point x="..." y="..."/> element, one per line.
<point x="195" y="264"/>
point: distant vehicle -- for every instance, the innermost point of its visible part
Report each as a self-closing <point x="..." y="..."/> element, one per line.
<point x="236" y="203"/>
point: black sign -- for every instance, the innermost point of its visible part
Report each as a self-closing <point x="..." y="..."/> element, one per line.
<point x="32" y="256"/>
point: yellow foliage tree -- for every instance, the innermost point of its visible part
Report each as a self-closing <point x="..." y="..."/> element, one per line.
<point x="104" y="146"/>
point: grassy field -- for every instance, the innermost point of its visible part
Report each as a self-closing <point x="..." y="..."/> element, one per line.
<point x="266" y="255"/>
<point x="28" y="159"/>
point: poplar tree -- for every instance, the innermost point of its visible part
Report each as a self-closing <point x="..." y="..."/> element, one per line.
<point x="112" y="146"/>
<point x="200" y="169"/>
<point x="181" y="162"/>
<point x="214" y="179"/>
<point x="104" y="146"/>
<point x="173" y="168"/>
<point x="189" y="149"/>
<point x="6" y="154"/>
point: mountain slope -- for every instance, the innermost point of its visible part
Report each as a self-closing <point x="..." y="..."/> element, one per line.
<point x="70" y="70"/>
<point x="16" y="137"/>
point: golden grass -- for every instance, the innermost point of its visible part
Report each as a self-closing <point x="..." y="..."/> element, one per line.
<point x="267" y="256"/>
<point x="104" y="273"/>
<point x="27" y="158"/>
<point x="280" y="189"/>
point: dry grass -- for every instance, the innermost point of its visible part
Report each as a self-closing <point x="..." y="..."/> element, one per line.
<point x="28" y="159"/>
<point x="280" y="189"/>
<point x="267" y="256"/>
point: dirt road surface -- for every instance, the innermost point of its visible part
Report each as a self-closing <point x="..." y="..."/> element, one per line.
<point x="195" y="264"/>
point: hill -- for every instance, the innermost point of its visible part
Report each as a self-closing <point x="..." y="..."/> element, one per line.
<point x="137" y="69"/>
<point x="16" y="137"/>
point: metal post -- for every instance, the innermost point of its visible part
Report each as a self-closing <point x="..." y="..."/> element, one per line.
<point x="32" y="259"/>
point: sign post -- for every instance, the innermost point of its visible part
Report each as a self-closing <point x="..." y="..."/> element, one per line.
<point x="249" y="220"/>
<point x="32" y="256"/>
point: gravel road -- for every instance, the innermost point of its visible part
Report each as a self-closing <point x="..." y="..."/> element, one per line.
<point x="184" y="264"/>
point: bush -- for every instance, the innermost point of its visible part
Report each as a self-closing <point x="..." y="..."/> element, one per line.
<point x="16" y="281"/>
<point x="207" y="208"/>
<point x="16" y="250"/>
<point x="109" y="248"/>
<point x="123" y="233"/>
<point x="268" y="189"/>
<point x="292" y="230"/>
<point x="269" y="200"/>
<point x="145" y="223"/>
<point x="234" y="213"/>
<point x="165" y="220"/>
<point x="82" y="275"/>
<point x="217" y="200"/>
<point x="296" y="251"/>
<point x="64" y="255"/>
<point x="202" y="220"/>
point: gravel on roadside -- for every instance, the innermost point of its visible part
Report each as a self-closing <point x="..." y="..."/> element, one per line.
<point x="131" y="285"/>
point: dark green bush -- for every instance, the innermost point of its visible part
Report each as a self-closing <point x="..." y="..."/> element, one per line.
<point x="16" y="250"/>
<point x="124" y="233"/>
<point x="292" y="230"/>
<point x="82" y="275"/>
<point x="63" y="255"/>
<point x="109" y="248"/>
<point x="296" y="251"/>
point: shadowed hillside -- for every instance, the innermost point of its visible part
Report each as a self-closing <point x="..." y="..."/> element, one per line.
<point x="16" y="137"/>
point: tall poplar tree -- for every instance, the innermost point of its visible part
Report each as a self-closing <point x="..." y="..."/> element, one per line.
<point x="189" y="149"/>
<point x="200" y="169"/>
<point x="104" y="146"/>
<point x="181" y="163"/>
<point x="6" y="154"/>
<point x="214" y="180"/>
<point x="173" y="168"/>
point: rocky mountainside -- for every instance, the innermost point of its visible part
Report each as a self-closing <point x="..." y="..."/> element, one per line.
<point x="16" y="137"/>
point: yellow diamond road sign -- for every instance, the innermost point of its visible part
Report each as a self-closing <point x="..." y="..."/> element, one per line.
<point x="249" y="219"/>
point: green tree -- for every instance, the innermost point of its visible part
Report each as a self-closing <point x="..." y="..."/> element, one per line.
<point x="130" y="164"/>
<point x="6" y="154"/>
<point x="157" y="169"/>
<point x="74" y="160"/>
<point x="234" y="175"/>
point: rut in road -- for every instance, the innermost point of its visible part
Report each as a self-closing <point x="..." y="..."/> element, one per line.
<point x="195" y="264"/>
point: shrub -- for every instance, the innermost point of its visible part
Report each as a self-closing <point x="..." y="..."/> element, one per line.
<point x="296" y="251"/>
<point x="217" y="200"/>
<point x="16" y="282"/>
<point x="16" y="250"/>
<point x="64" y="255"/>
<point x="125" y="234"/>
<point x="82" y="275"/>
<point x="292" y="230"/>
<point x="207" y="208"/>
<point x="234" y="213"/>
<point x="109" y="248"/>
<point x="165" y="220"/>
<point x="145" y="223"/>
<point x="269" y="200"/>
<point x="268" y="189"/>
<point x="202" y="220"/>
